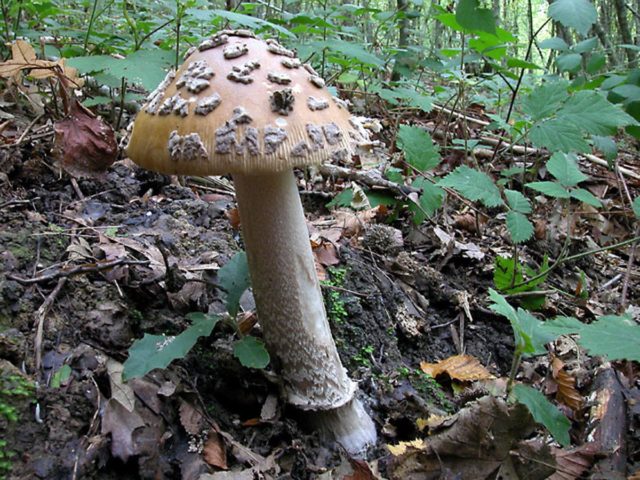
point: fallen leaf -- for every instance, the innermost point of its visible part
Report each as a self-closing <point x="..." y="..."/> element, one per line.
<point x="233" y="215"/>
<point x="361" y="470"/>
<point x="120" y="391"/>
<point x="190" y="418"/>
<point x="214" y="451"/>
<point x="23" y="57"/>
<point x="567" y="392"/>
<point x="464" y="368"/>
<point x="121" y="423"/>
<point x="572" y="464"/>
<point x="84" y="145"/>
<point x="474" y="444"/>
<point x="402" y="447"/>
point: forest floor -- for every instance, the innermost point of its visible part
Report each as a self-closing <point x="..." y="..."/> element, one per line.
<point x="90" y="265"/>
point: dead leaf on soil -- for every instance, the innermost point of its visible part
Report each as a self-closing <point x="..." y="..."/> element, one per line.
<point x="573" y="463"/>
<point x="120" y="391"/>
<point x="469" y="249"/>
<point x="464" y="368"/>
<point x="476" y="443"/>
<point x="84" y="145"/>
<point x="121" y="423"/>
<point x="191" y="418"/>
<point x="214" y="451"/>
<point x="402" y="447"/>
<point x="567" y="392"/>
<point x="352" y="223"/>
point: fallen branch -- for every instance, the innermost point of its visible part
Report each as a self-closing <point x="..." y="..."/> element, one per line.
<point x="86" y="268"/>
<point x="39" y="323"/>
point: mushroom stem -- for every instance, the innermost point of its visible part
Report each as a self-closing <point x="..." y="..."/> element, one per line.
<point x="291" y="308"/>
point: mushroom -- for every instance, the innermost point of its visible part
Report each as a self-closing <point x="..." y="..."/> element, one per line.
<point x="257" y="132"/>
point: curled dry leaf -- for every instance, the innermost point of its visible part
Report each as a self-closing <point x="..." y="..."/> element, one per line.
<point x="84" y="145"/>
<point x="567" y="392"/>
<point x="464" y="368"/>
<point x="214" y="451"/>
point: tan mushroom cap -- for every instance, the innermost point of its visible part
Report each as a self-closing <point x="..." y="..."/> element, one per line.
<point x="240" y="104"/>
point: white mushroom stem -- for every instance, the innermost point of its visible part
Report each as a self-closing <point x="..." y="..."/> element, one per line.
<point x="291" y="308"/>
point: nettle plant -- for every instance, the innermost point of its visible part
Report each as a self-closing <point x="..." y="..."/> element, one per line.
<point x="615" y="337"/>
<point x="158" y="351"/>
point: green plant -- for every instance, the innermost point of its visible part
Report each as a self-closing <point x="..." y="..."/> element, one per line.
<point x="334" y="304"/>
<point x="158" y="351"/>
<point x="616" y="337"/>
<point x="363" y="357"/>
<point x="13" y="388"/>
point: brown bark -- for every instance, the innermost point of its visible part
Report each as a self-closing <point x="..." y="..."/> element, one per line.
<point x="625" y="31"/>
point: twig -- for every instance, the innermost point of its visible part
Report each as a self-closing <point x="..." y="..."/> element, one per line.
<point x="86" y="268"/>
<point x="370" y="178"/>
<point x="39" y="324"/>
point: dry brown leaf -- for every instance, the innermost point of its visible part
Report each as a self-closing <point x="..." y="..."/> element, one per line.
<point x="466" y="222"/>
<point x="246" y="322"/>
<point x="325" y="252"/>
<point x="635" y="476"/>
<point x="121" y="423"/>
<point x="352" y="223"/>
<point x="233" y="215"/>
<point x="190" y="418"/>
<point x="361" y="471"/>
<point x="464" y="368"/>
<point x="214" y="451"/>
<point x="23" y="57"/>
<point x="403" y="447"/>
<point x="572" y="464"/>
<point x="567" y="392"/>
<point x="84" y="145"/>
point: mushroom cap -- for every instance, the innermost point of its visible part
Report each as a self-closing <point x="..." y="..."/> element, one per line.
<point x="239" y="104"/>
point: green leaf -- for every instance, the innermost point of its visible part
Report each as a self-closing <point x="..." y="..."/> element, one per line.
<point x="513" y="62"/>
<point x="503" y="275"/>
<point x="251" y="352"/>
<point x="430" y="200"/>
<point x="558" y="135"/>
<point x="564" y="167"/>
<point x="616" y="337"/>
<point x="606" y="145"/>
<point x="585" y="196"/>
<point x="578" y="14"/>
<point x="585" y="45"/>
<point x="544" y="412"/>
<point x="569" y="62"/>
<point x="158" y="351"/>
<point x="351" y="50"/>
<point x="144" y="67"/>
<point x="519" y="226"/>
<point x="636" y="207"/>
<point x="545" y="100"/>
<point x="552" y="189"/>
<point x="234" y="279"/>
<point x="470" y="16"/>
<point x="594" y="114"/>
<point x="343" y="199"/>
<point x="420" y="151"/>
<point x="553" y="43"/>
<point x="449" y="20"/>
<point x="61" y="376"/>
<point x="517" y="201"/>
<point x="629" y="92"/>
<point x="529" y="335"/>
<point x="596" y="62"/>
<point x="563" y="326"/>
<point x="473" y="185"/>
<point x="253" y="23"/>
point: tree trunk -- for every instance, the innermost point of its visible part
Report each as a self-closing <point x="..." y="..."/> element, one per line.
<point x="403" y="42"/>
<point x="625" y="32"/>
